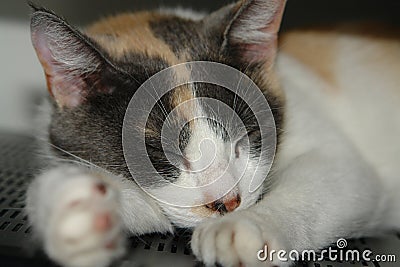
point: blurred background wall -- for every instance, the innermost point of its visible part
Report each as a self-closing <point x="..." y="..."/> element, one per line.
<point x="21" y="78"/>
<point x="298" y="12"/>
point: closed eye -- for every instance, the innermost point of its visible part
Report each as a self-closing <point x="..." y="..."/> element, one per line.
<point x="176" y="158"/>
<point x="246" y="140"/>
<point x="160" y="149"/>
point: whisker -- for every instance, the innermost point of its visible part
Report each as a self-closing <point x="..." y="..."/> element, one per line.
<point x="90" y="164"/>
<point x="158" y="100"/>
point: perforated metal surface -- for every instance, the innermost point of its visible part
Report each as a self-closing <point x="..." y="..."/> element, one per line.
<point x="18" y="165"/>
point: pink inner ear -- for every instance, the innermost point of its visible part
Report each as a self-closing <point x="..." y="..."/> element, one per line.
<point x="67" y="88"/>
<point x="67" y="94"/>
<point x="263" y="52"/>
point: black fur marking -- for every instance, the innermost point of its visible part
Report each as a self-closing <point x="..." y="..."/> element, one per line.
<point x="187" y="36"/>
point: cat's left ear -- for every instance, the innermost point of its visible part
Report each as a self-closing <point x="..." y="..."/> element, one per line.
<point x="75" y="68"/>
<point x="251" y="30"/>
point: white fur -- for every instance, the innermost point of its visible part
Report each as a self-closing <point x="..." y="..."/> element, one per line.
<point x="182" y="12"/>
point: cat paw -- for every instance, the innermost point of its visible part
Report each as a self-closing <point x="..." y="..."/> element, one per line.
<point x="234" y="240"/>
<point x="85" y="228"/>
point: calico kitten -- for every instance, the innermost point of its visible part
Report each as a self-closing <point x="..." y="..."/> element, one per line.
<point x="335" y="102"/>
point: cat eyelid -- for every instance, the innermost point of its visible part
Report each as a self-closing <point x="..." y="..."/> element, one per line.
<point x="239" y="142"/>
<point x="248" y="134"/>
<point x="164" y="151"/>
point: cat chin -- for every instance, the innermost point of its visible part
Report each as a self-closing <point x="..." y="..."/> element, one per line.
<point x="187" y="217"/>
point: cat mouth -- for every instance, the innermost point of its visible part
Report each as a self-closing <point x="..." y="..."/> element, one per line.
<point x="225" y="205"/>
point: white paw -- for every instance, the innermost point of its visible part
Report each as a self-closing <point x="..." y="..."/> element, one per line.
<point x="84" y="228"/>
<point x="234" y="240"/>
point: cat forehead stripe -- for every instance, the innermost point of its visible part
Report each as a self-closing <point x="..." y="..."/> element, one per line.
<point x="131" y="33"/>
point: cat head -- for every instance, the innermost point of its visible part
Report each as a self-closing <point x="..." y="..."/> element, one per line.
<point x="93" y="74"/>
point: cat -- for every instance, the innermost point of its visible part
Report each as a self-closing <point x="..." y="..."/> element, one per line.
<point x="335" y="102"/>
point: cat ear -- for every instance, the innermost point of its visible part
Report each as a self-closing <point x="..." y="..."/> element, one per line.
<point x="71" y="63"/>
<point x="251" y="33"/>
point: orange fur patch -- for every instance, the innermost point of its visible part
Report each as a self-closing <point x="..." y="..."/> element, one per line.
<point x="314" y="49"/>
<point x="126" y="33"/>
<point x="181" y="94"/>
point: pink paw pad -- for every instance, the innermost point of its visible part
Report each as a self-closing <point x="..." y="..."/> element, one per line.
<point x="102" y="222"/>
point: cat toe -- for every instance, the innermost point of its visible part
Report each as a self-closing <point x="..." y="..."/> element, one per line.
<point x="85" y="228"/>
<point x="231" y="241"/>
<point x="227" y="242"/>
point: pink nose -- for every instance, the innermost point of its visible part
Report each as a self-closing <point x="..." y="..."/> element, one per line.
<point x="226" y="204"/>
